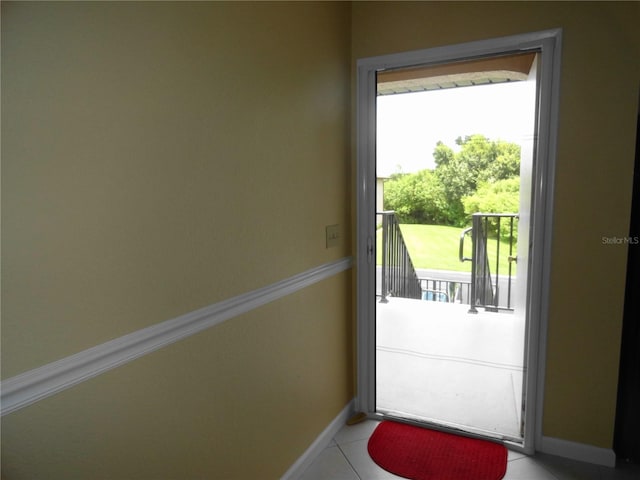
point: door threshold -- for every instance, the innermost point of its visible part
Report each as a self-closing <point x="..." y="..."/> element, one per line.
<point x="512" y="443"/>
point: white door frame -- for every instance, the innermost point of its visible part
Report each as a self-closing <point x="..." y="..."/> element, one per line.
<point x="547" y="42"/>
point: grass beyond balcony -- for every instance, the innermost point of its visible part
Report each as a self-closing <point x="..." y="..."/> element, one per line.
<point x="436" y="247"/>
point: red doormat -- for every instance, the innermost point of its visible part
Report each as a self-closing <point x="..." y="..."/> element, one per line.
<point x="422" y="454"/>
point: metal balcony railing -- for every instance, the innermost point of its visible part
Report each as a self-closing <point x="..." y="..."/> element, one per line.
<point x="399" y="278"/>
<point x="487" y="289"/>
<point x="439" y="287"/>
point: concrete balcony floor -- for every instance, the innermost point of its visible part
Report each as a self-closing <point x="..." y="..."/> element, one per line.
<point x="436" y="362"/>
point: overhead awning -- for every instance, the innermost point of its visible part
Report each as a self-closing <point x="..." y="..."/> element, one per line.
<point x="497" y="69"/>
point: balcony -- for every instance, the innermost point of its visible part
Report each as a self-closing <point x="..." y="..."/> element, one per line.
<point x="454" y="354"/>
<point x="437" y="362"/>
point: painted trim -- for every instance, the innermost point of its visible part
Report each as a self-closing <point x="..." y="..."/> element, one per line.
<point x="365" y="225"/>
<point x="550" y="43"/>
<point x="32" y="386"/>
<point x="577" y="451"/>
<point x="544" y="212"/>
<point x="319" y="444"/>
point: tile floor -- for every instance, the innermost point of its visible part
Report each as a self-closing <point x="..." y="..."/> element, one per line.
<point x="346" y="458"/>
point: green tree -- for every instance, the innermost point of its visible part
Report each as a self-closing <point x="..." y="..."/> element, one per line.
<point x="461" y="183"/>
<point x="478" y="160"/>
<point x="502" y="196"/>
<point x="417" y="198"/>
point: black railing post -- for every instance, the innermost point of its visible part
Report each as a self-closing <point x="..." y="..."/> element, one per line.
<point x="385" y="240"/>
<point x="496" y="295"/>
<point x="398" y="276"/>
<point x="510" y="259"/>
<point x="482" y="290"/>
<point x="474" y="255"/>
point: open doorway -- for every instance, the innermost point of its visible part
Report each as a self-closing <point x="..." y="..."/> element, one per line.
<point x="451" y="312"/>
<point x="436" y="361"/>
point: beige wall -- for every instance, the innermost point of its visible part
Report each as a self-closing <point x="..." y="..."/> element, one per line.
<point x="242" y="400"/>
<point x="158" y="158"/>
<point x="599" y="98"/>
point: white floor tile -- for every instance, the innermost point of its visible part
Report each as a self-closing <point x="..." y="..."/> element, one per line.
<point x="358" y="456"/>
<point x="347" y="458"/>
<point x="359" y="431"/>
<point x="527" y="469"/>
<point x="330" y="464"/>
<point x="514" y="455"/>
<point x="565" y="469"/>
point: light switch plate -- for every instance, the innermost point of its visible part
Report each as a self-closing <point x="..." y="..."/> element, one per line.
<point x="332" y="235"/>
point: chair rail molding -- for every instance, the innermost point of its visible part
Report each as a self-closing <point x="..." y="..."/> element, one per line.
<point x="34" y="385"/>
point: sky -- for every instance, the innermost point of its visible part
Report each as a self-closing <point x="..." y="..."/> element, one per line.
<point x="409" y="125"/>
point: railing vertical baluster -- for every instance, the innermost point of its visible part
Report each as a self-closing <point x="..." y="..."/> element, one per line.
<point x="482" y="291"/>
<point x="399" y="277"/>
<point x="384" y="279"/>
<point x="484" y="259"/>
<point x="474" y="249"/>
<point x="510" y="257"/>
<point x="487" y="287"/>
<point x="496" y="295"/>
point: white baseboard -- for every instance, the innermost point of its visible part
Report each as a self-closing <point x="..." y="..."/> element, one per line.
<point x="319" y="444"/>
<point x="577" y="451"/>
<point x="549" y="445"/>
<point x="32" y="386"/>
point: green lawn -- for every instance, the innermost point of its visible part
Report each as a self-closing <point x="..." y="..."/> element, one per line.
<point x="436" y="247"/>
